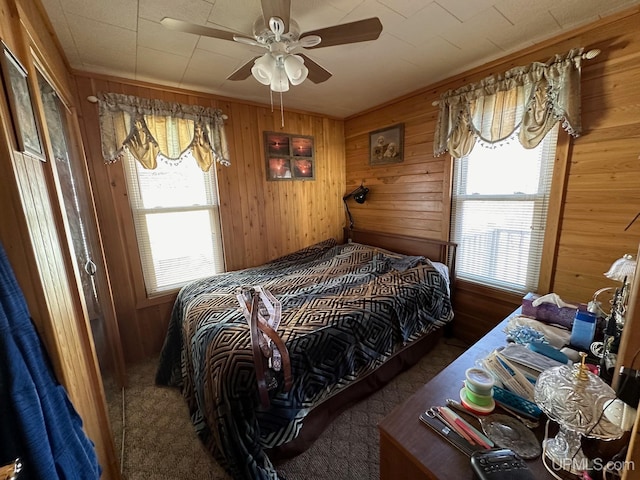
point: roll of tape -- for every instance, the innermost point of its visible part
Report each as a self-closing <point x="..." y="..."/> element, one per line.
<point x="478" y="390"/>
<point x="479" y="380"/>
<point x="476" y="399"/>
<point x="473" y="407"/>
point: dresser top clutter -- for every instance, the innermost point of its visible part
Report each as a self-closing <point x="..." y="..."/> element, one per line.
<point x="539" y="384"/>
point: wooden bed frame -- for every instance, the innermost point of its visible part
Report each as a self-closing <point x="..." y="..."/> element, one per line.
<point x="322" y="415"/>
<point x="436" y="250"/>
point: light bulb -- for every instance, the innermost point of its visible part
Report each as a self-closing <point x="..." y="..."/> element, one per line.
<point x="295" y="69"/>
<point x="279" y="81"/>
<point x="263" y="68"/>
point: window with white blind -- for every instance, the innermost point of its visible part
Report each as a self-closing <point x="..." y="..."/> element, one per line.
<point x="499" y="210"/>
<point x="176" y="216"/>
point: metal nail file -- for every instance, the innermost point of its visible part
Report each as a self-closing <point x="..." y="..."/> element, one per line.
<point x="450" y="435"/>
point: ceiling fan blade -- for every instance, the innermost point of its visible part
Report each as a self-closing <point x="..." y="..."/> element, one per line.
<point x="317" y="74"/>
<point x="359" y="31"/>
<point x="243" y="72"/>
<point x="187" y="27"/>
<point x="277" y="8"/>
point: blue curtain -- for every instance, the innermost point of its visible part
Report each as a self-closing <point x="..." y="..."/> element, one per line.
<point x="38" y="422"/>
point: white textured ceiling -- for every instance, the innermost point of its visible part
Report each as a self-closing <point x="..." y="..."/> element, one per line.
<point x="422" y="42"/>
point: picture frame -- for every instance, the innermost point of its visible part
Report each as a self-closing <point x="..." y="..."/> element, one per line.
<point x="386" y="145"/>
<point x="289" y="156"/>
<point x="20" y="102"/>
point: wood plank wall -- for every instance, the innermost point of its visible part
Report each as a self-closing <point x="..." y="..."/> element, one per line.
<point x="261" y="220"/>
<point x="602" y="193"/>
<point x="32" y="233"/>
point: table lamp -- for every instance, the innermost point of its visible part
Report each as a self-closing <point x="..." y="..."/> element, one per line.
<point x="622" y="270"/>
<point x="575" y="399"/>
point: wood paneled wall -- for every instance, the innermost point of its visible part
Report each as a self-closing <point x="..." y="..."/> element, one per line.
<point x="32" y="233"/>
<point x="601" y="193"/>
<point x="261" y="220"/>
<point x="411" y="197"/>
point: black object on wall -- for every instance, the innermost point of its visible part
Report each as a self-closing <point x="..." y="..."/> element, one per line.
<point x="359" y="195"/>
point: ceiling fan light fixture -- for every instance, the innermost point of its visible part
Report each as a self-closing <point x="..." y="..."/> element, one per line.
<point x="279" y="79"/>
<point x="263" y="68"/>
<point x="278" y="72"/>
<point x="295" y="69"/>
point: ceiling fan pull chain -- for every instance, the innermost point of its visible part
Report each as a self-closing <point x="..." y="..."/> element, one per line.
<point x="281" y="110"/>
<point x="281" y="106"/>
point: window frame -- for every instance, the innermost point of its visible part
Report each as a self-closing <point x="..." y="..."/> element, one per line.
<point x="144" y="299"/>
<point x="550" y="240"/>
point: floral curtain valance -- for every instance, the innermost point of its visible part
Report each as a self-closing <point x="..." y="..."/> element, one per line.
<point x="152" y="129"/>
<point x="526" y="101"/>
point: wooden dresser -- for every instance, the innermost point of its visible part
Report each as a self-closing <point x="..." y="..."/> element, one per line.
<point x="411" y="450"/>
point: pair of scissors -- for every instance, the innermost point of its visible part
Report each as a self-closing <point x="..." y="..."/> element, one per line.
<point x="434" y="412"/>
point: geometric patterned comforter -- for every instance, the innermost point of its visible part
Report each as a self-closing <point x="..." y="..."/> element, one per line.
<point x="345" y="310"/>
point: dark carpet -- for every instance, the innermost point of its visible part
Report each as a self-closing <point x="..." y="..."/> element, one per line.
<point x="160" y="442"/>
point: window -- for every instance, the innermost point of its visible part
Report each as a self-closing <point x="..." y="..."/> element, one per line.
<point x="169" y="152"/>
<point x="499" y="209"/>
<point x="176" y="216"/>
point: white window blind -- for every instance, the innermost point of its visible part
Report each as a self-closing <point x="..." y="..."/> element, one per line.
<point x="176" y="216"/>
<point x="499" y="211"/>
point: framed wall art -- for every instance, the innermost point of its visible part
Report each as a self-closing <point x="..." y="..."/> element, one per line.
<point x="19" y="98"/>
<point x="289" y="157"/>
<point x="386" y="145"/>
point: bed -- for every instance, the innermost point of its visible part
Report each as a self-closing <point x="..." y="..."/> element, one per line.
<point x="353" y="315"/>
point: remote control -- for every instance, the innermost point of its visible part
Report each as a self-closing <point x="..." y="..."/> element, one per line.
<point x="499" y="464"/>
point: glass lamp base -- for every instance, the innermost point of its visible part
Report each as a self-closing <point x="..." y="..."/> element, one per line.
<point x="565" y="451"/>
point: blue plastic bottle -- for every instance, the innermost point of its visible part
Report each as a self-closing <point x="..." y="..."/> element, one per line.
<point x="584" y="327"/>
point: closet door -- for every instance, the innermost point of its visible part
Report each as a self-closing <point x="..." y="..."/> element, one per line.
<point x="84" y="235"/>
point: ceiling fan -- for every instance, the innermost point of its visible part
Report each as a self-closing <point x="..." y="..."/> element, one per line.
<point x="279" y="34"/>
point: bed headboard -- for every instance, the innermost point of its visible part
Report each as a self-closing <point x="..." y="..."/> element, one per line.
<point x="437" y="250"/>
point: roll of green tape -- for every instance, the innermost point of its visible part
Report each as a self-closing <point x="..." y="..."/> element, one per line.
<point x="480" y="400"/>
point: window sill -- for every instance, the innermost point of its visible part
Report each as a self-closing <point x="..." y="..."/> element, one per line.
<point x="489" y="291"/>
<point x="159" y="299"/>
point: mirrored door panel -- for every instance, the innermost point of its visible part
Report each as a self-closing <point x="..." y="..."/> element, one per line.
<point x="80" y="215"/>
